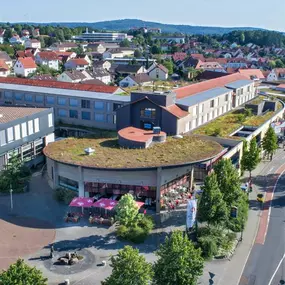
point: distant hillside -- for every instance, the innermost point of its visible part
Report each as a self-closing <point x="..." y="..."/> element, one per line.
<point x="126" y="24"/>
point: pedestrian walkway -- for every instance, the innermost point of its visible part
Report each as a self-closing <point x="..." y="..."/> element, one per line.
<point x="228" y="272"/>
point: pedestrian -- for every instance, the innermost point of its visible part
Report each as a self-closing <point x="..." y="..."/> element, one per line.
<point x="51" y="251"/>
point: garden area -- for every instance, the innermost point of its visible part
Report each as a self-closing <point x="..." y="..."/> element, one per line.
<point x="225" y="125"/>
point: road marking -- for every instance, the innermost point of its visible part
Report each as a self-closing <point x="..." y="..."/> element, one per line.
<point x="276" y="269"/>
<point x="271" y="169"/>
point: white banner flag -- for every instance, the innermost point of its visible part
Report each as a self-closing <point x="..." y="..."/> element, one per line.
<point x="191" y="213"/>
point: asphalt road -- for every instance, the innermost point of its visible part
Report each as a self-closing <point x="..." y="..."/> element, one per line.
<point x="266" y="263"/>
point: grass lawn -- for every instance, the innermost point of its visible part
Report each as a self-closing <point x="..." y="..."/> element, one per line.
<point x="108" y="154"/>
<point x="227" y="124"/>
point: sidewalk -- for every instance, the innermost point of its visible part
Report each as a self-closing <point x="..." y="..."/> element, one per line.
<point x="229" y="272"/>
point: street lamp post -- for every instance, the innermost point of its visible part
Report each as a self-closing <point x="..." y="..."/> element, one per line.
<point x="11" y="197"/>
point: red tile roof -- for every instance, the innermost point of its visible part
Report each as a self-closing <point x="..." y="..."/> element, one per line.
<point x="179" y="56"/>
<point x="198" y="56"/>
<point x="60" y="85"/>
<point x="252" y="73"/>
<point x="27" y="62"/>
<point x="64" y="53"/>
<point x="281" y="86"/>
<point x="219" y="60"/>
<point x="3" y="65"/>
<point x="25" y="53"/>
<point x="176" y="111"/>
<point x="79" y="61"/>
<point x="189" y="90"/>
<point x="47" y="55"/>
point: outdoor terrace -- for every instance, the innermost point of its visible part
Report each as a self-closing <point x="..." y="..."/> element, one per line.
<point x="108" y="153"/>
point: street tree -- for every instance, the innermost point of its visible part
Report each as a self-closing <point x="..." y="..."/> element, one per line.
<point x="127" y="211"/>
<point x="125" y="43"/>
<point x="212" y="208"/>
<point x="179" y="262"/>
<point x="155" y="49"/>
<point x="250" y="157"/>
<point x="270" y="142"/>
<point x="137" y="53"/>
<point x="169" y="65"/>
<point x="21" y="273"/>
<point x="128" y="268"/>
<point x="228" y="181"/>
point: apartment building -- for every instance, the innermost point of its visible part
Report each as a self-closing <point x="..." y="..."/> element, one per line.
<point x="25" y="132"/>
<point x="73" y="103"/>
<point x="186" y="108"/>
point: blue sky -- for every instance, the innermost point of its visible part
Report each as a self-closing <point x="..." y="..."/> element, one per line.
<point x="255" y="13"/>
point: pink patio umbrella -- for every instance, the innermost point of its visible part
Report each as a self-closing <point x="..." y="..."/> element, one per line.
<point x="106" y="204"/>
<point x="140" y="204"/>
<point x="83" y="202"/>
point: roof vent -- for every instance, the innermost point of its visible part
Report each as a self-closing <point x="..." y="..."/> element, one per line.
<point x="89" y="151"/>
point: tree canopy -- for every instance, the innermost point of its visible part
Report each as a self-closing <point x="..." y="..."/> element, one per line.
<point x="129" y="268"/>
<point x="270" y="142"/>
<point x="127" y="211"/>
<point x="212" y="208"/>
<point x="179" y="262"/>
<point x="22" y="274"/>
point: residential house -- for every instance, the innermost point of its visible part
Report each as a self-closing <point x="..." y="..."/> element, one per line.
<point x="93" y="81"/>
<point x="4" y="69"/>
<point x="36" y="33"/>
<point x="25" y="66"/>
<point x="276" y="74"/>
<point x="237" y="63"/>
<point x="48" y="58"/>
<point x="102" y="75"/>
<point x="64" y="56"/>
<point x="16" y="40"/>
<point x="63" y="46"/>
<point x="2" y="32"/>
<point x="32" y="43"/>
<point x="210" y="66"/>
<point x="76" y="64"/>
<point x="4" y="56"/>
<point x="73" y="76"/>
<point x="118" y="53"/>
<point x="96" y="47"/>
<point x="29" y="52"/>
<point x="86" y="57"/>
<point x="179" y="56"/>
<point x="102" y="64"/>
<point x="141" y="79"/>
<point x="125" y="70"/>
<point x="158" y="72"/>
<point x="25" y="33"/>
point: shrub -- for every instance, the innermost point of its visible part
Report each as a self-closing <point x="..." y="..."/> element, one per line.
<point x="122" y="232"/>
<point x="209" y="246"/>
<point x="64" y="195"/>
<point x="146" y="223"/>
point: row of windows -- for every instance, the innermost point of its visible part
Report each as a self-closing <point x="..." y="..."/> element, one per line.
<point x="19" y="131"/>
<point x="63" y="113"/>
<point x="62" y="101"/>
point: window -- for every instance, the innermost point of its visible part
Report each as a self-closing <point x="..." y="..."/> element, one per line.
<point x="30" y="127"/>
<point x="28" y="97"/>
<point x="108" y="107"/>
<point x="61" y="101"/>
<point x="50" y="121"/>
<point x="212" y="104"/>
<point x="148" y="113"/>
<point x="85" y="104"/>
<point x="8" y="95"/>
<point x="99" y="105"/>
<point x="194" y="110"/>
<point x="62" y="113"/>
<point x="114" y="119"/>
<point x="248" y="88"/>
<point x="241" y="91"/>
<point x="99" y="117"/>
<point x="18" y="96"/>
<point x="24" y="130"/>
<point x="2" y="138"/>
<point x="17" y="132"/>
<point x="68" y="183"/>
<point x="39" y="98"/>
<point x="73" y="114"/>
<point x="109" y="118"/>
<point x="86" y="115"/>
<point x="116" y="106"/>
<point x="37" y="125"/>
<point x="73" y="102"/>
<point x="50" y="99"/>
<point x="10" y="134"/>
<point x="227" y="97"/>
